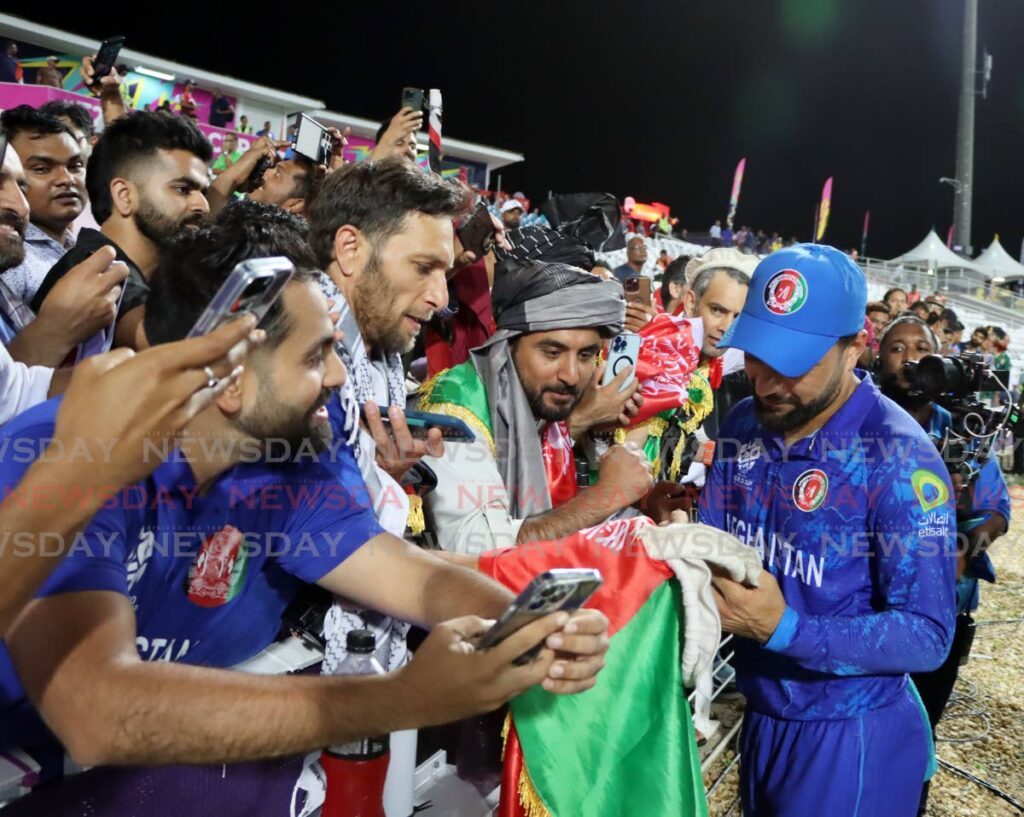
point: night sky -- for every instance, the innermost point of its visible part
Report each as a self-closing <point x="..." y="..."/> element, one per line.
<point x="658" y="100"/>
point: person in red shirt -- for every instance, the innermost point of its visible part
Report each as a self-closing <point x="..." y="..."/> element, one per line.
<point x="186" y="101"/>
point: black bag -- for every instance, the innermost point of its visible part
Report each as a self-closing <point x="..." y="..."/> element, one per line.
<point x="593" y="218"/>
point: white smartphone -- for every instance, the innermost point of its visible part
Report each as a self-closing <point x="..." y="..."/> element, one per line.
<point x="623" y="351"/>
<point x="313" y="141"/>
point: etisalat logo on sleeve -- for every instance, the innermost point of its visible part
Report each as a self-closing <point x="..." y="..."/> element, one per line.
<point x="810" y="490"/>
<point x="929" y="488"/>
<point x="785" y="292"/>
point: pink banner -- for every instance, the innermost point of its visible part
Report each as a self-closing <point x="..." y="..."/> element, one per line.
<point x="824" y="209"/>
<point x="737" y="183"/>
<point x="12" y="95"/>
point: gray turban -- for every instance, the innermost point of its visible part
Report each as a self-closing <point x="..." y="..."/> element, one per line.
<point x="535" y="297"/>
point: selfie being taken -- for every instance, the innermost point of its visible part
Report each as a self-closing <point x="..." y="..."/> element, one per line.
<point x="385" y="432"/>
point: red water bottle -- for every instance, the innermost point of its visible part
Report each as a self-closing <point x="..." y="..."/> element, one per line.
<point x="355" y="772"/>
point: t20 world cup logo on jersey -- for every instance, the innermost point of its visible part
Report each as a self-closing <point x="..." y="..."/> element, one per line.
<point x="785" y="292"/>
<point x="810" y="490"/>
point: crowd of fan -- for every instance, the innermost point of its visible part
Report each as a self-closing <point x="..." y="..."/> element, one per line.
<point x="123" y="239"/>
<point x="990" y="341"/>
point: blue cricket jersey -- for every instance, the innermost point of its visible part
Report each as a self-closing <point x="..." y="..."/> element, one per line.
<point x="209" y="575"/>
<point x="857" y="523"/>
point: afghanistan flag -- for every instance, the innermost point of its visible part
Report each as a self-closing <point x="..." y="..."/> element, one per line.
<point x="626" y="746"/>
<point x="668" y="357"/>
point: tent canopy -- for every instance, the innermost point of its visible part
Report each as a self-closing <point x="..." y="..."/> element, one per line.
<point x="999" y="263"/>
<point x="933" y="253"/>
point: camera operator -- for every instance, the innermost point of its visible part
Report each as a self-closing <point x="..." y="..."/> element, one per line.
<point x="982" y="507"/>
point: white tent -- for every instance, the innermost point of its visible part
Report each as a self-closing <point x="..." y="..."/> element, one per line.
<point x="999" y="263"/>
<point x="934" y="254"/>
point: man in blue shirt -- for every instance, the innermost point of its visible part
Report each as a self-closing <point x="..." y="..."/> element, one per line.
<point x="983" y="508"/>
<point x="190" y="569"/>
<point x="851" y="509"/>
<point x="636" y="258"/>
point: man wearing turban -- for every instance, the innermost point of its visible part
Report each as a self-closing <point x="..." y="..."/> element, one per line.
<point x="517" y="481"/>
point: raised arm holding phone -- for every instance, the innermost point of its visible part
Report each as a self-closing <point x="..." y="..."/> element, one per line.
<point x="124" y="672"/>
<point x="113" y="404"/>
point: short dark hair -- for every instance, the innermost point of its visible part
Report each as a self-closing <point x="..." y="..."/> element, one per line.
<point x="877" y="306"/>
<point x="78" y="114"/>
<point x="375" y="197"/>
<point x="675" y="273"/>
<point x="26" y="119"/>
<point x="889" y="292"/>
<point x="194" y="266"/>
<point x="308" y="184"/>
<point x="132" y="140"/>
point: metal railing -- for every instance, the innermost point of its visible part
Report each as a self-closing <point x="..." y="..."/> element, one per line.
<point x="956" y="280"/>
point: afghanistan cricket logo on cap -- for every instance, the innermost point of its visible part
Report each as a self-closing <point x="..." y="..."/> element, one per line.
<point x="929" y="488"/>
<point x="785" y="292"/>
<point x="810" y="490"/>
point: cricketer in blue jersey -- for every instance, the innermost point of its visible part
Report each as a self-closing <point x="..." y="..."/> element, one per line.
<point x="850" y="507"/>
<point x="982" y="504"/>
<point x="188" y="571"/>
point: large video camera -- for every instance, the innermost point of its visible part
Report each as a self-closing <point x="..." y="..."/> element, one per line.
<point x="955" y="383"/>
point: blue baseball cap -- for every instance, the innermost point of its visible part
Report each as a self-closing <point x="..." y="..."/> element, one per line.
<point x="801" y="301"/>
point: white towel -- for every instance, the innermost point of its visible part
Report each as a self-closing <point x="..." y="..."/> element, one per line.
<point x="689" y="549"/>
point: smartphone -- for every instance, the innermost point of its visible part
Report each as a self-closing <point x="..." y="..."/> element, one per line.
<point x="252" y="287"/>
<point x="106" y="57"/>
<point x="313" y="141"/>
<point x="476" y="232"/>
<point x="623" y="351"/>
<point x="549" y="592"/>
<point x="420" y="422"/>
<point x="104" y="339"/>
<point x="638" y="290"/>
<point x="420" y="478"/>
<point x="414" y="98"/>
<point x="3" y="148"/>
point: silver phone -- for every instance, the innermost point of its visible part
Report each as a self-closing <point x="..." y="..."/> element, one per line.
<point x="252" y="287"/>
<point x="554" y="590"/>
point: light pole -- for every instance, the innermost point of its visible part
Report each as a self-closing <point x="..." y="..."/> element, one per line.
<point x="965" y="128"/>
